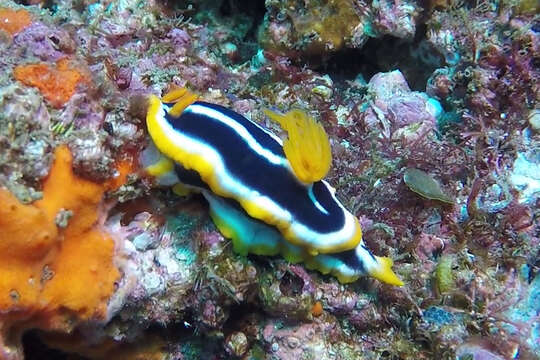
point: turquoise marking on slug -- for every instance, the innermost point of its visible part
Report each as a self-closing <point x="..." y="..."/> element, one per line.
<point x="255" y="198"/>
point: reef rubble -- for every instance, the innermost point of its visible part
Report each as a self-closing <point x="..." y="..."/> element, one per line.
<point x="431" y="109"/>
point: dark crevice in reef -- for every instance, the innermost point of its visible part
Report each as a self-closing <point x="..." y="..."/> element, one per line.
<point x="35" y="349"/>
<point x="241" y="316"/>
<point x="253" y="9"/>
<point x="291" y="285"/>
<point x="416" y="59"/>
<point x="173" y="333"/>
<point x="241" y="17"/>
<point x="45" y="4"/>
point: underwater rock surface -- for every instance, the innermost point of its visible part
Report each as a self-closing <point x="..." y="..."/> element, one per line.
<point x="97" y="261"/>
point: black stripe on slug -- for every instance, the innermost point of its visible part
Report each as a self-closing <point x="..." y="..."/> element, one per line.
<point x="245" y="165"/>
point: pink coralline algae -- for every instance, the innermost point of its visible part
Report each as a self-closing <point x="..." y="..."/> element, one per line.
<point x="337" y="301"/>
<point x="180" y="39"/>
<point x="450" y="92"/>
<point x="428" y="246"/>
<point x="397" y="111"/>
<point x="43" y="42"/>
<point x="317" y="28"/>
<point x="440" y="84"/>
<point x="81" y="112"/>
<point x="396" y="18"/>
<point x="322" y="339"/>
<point x="25" y="145"/>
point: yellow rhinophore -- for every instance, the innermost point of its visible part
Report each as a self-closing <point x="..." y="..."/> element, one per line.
<point x="307" y="147"/>
<point x="182" y="98"/>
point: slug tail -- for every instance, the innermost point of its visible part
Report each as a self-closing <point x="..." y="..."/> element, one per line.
<point x="385" y="273"/>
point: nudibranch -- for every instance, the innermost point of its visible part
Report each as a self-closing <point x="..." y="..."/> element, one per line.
<point x="265" y="194"/>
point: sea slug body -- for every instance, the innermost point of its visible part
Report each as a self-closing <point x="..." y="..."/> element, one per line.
<point x="267" y="200"/>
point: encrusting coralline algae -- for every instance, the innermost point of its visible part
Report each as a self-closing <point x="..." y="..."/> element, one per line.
<point x="97" y="259"/>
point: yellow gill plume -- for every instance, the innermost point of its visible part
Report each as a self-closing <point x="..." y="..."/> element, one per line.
<point x="307" y="147"/>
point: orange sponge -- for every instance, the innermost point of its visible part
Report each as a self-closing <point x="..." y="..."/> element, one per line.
<point x="27" y="240"/>
<point x="50" y="273"/>
<point x="12" y="21"/>
<point x="56" y="84"/>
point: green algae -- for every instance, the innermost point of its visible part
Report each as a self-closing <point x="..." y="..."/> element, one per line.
<point x="195" y="347"/>
<point x="256" y="353"/>
<point x="424" y="185"/>
<point x="527" y="7"/>
<point x="182" y="225"/>
<point x="444" y="277"/>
